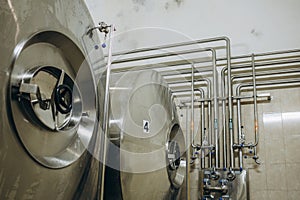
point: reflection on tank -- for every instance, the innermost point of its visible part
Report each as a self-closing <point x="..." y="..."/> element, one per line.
<point x="48" y="122"/>
<point x="146" y="157"/>
<point x="51" y="137"/>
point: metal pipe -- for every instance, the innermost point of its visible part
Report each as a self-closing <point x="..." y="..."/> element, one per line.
<point x="202" y="116"/>
<point x="185" y="83"/>
<point x="267" y="74"/>
<point x="209" y="124"/>
<point x="200" y="41"/>
<point x="272" y="71"/>
<point x="177" y="63"/>
<point x="216" y="108"/>
<point x="239" y="124"/>
<point x="161" y="55"/>
<point x="215" y="100"/>
<point x="224" y="127"/>
<point x="230" y="104"/>
<point x="192" y="109"/>
<point x="195" y="50"/>
<point x="245" y="66"/>
<point x="266" y="65"/>
<point x="175" y="92"/>
<point x="106" y="109"/>
<point x="188" y="155"/>
<point x="265" y="83"/>
<point x="241" y="140"/>
<point x="242" y="66"/>
<point x="186" y="52"/>
<point x="269" y="84"/>
<point x="209" y="116"/>
<point x="255" y="105"/>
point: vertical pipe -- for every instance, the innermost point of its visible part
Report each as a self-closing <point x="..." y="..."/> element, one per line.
<point x="209" y="125"/>
<point x="230" y="104"/>
<point x="255" y="105"/>
<point x="224" y="120"/>
<point x="188" y="144"/>
<point x="216" y="109"/>
<point x="239" y="121"/>
<point x="106" y="110"/>
<point x="192" y="112"/>
<point x="202" y="131"/>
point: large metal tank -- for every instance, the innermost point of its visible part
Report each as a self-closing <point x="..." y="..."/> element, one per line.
<point x="48" y="104"/>
<point x="146" y="158"/>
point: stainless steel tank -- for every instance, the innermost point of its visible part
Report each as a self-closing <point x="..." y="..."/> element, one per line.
<point x="146" y="153"/>
<point x="48" y="100"/>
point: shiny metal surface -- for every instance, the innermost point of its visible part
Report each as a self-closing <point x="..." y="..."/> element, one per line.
<point x="233" y="138"/>
<point x="43" y="151"/>
<point x="215" y="185"/>
<point x="146" y="138"/>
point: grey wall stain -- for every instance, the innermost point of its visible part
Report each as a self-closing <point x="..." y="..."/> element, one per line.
<point x="172" y="3"/>
<point x="256" y="33"/>
<point x="167" y="5"/>
<point x="139" y="2"/>
<point x="179" y="2"/>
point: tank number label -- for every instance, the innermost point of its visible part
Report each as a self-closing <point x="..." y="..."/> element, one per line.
<point x="146" y="126"/>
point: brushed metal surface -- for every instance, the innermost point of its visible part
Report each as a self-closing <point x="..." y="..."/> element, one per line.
<point x="231" y="190"/>
<point x="45" y="33"/>
<point x="142" y="127"/>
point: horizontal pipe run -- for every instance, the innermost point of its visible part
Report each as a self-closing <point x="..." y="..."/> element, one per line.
<point x="201" y="81"/>
<point x="162" y="55"/>
<point x="266" y="65"/>
<point x="206" y="70"/>
<point x="266" y="73"/>
<point x="270" y="53"/>
<point x="197" y="61"/>
<point x="194" y="42"/>
<point x="189" y="51"/>
<point x="175" y="92"/>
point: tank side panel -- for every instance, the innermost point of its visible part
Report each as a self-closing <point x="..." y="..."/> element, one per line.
<point x="20" y="176"/>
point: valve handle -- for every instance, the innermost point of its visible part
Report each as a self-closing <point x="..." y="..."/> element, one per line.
<point x="63" y="98"/>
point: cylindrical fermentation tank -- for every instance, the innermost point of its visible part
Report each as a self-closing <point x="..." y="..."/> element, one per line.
<point x="48" y="101"/>
<point x="52" y="112"/>
<point x="146" y="154"/>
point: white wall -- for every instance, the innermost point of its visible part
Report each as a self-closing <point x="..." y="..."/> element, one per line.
<point x="253" y="26"/>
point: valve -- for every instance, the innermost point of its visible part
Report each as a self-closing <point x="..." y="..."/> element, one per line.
<point x="206" y="181"/>
<point x="214" y="174"/>
<point x="63" y="98"/>
<point x="103" y="28"/>
<point x="256" y="159"/>
<point x="231" y="175"/>
<point x="49" y="90"/>
<point x="223" y="181"/>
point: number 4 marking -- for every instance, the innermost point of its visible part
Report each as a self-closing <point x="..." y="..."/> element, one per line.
<point x="146" y="126"/>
